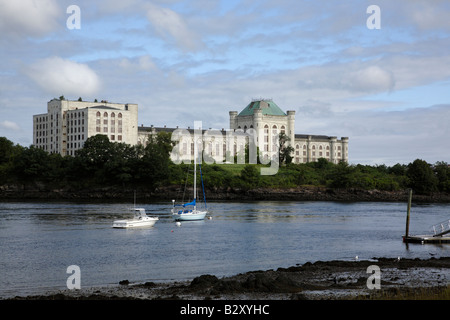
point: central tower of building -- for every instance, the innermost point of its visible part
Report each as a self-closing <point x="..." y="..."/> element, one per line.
<point x="268" y="121"/>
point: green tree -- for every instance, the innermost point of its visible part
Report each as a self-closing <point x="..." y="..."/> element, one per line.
<point x="92" y="161"/>
<point x="32" y="165"/>
<point x="285" y="150"/>
<point x="442" y="170"/>
<point x="153" y="168"/>
<point x="6" y="150"/>
<point x="421" y="176"/>
<point x="398" y="169"/>
<point x="250" y="176"/>
<point x="8" y="153"/>
<point x="341" y="176"/>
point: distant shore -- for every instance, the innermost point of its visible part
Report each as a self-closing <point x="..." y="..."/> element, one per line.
<point x="404" y="279"/>
<point x="167" y="193"/>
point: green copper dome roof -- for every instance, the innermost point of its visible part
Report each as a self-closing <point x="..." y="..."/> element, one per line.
<point x="268" y="107"/>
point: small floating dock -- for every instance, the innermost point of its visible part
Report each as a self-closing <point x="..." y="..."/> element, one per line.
<point x="426" y="239"/>
<point x="441" y="230"/>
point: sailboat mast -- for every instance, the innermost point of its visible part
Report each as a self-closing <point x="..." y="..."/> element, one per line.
<point x="195" y="171"/>
<point x="198" y="138"/>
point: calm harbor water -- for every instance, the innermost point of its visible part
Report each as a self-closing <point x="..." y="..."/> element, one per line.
<point x="38" y="240"/>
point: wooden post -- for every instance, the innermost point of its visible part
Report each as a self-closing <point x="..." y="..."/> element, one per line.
<point x="407" y="214"/>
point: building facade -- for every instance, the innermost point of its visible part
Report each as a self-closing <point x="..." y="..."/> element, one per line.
<point x="268" y="120"/>
<point x="68" y="124"/>
<point x="261" y="121"/>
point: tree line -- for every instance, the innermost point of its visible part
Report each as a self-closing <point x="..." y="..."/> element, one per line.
<point x="101" y="163"/>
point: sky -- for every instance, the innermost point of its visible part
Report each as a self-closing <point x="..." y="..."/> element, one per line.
<point x="381" y="78"/>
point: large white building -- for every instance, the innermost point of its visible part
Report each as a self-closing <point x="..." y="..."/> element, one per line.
<point x="68" y="124"/>
<point x="263" y="120"/>
<point x="268" y="120"/>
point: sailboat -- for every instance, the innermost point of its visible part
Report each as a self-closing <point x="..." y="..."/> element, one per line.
<point x="189" y="210"/>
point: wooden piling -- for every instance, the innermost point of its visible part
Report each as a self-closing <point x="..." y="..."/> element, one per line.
<point x="437" y="238"/>
<point x="408" y="212"/>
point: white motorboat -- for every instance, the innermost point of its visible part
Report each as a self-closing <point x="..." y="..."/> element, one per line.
<point x="140" y="219"/>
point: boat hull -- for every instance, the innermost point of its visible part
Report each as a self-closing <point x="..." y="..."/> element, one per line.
<point x="135" y="223"/>
<point x="189" y="216"/>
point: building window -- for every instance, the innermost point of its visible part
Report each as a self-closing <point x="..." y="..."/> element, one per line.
<point x="266" y="138"/>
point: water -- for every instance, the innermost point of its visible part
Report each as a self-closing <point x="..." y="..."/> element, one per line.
<point x="38" y="241"/>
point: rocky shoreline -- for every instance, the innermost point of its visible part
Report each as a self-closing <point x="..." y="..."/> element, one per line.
<point x="321" y="280"/>
<point x="305" y="193"/>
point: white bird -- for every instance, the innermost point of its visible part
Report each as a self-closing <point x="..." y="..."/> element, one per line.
<point x="178" y="223"/>
<point x="356" y="258"/>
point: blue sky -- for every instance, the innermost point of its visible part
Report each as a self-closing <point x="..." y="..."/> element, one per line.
<point x="386" y="89"/>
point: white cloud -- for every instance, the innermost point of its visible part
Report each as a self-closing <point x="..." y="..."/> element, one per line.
<point x="428" y="15"/>
<point x="168" y="22"/>
<point x="387" y="137"/>
<point x="60" y="76"/>
<point x="370" y="79"/>
<point x="29" y="17"/>
<point x="9" y="125"/>
<point x="142" y="63"/>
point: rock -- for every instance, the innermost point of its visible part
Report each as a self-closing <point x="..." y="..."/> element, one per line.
<point x="204" y="281"/>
